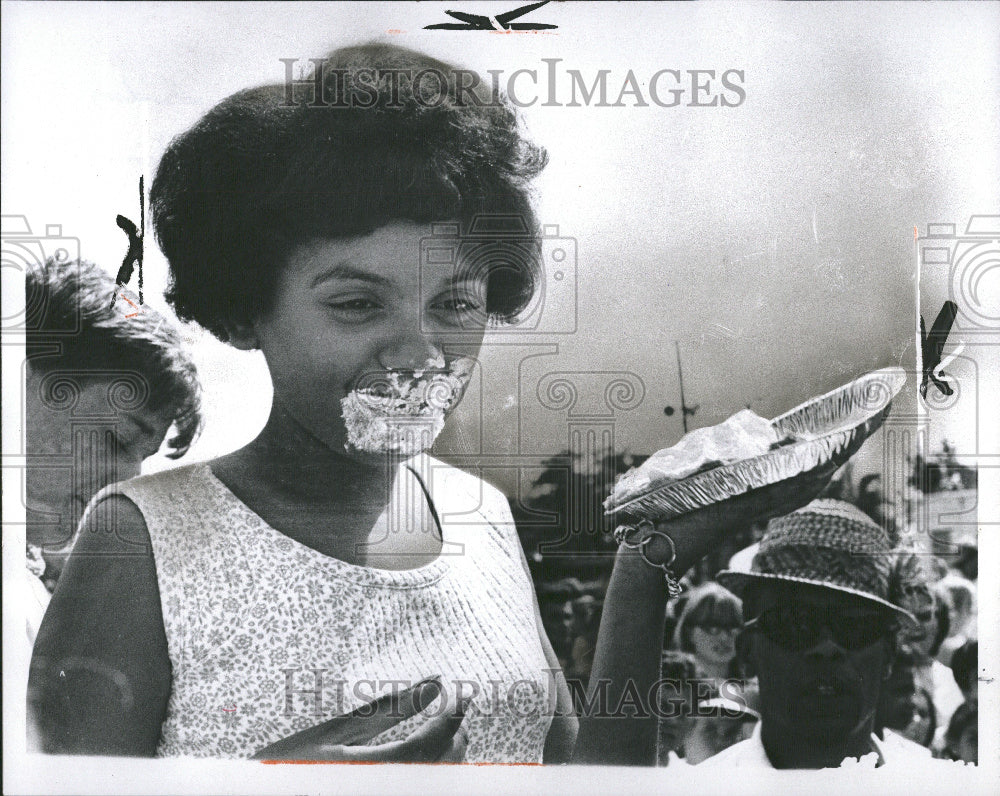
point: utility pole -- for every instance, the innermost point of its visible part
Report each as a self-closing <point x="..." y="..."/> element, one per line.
<point x="680" y="375"/>
<point x="686" y="410"/>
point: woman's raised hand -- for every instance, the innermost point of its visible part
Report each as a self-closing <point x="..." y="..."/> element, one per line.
<point x="698" y="532"/>
<point x="627" y="658"/>
<point x="347" y="738"/>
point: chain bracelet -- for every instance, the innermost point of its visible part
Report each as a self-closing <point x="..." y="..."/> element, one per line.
<point x="624" y="536"/>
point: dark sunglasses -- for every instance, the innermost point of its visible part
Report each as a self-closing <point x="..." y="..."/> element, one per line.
<point x="798" y="628"/>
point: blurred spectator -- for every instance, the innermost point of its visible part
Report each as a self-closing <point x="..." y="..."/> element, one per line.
<point x="707" y="628"/>
<point x="962" y="737"/>
<point x="961" y="596"/>
<point x="872" y="501"/>
<point x="968" y="562"/>
<point x="678" y="673"/>
<point x="556" y="605"/>
<point x="965" y="669"/>
<point x="922" y="726"/>
<point x="905" y="708"/>
<point x="718" y="724"/>
<point x="586" y="622"/>
<point x="913" y="577"/>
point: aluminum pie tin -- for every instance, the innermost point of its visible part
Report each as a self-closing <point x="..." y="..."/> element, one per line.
<point x="829" y="428"/>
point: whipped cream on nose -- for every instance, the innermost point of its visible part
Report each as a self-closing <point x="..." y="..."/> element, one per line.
<point x="403" y="413"/>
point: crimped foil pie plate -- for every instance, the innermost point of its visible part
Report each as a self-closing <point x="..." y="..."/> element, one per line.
<point x="828" y="428"/>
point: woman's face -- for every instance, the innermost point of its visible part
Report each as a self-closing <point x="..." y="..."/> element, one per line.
<point x="714" y="643"/>
<point x="349" y="312"/>
<point x="921" y="637"/>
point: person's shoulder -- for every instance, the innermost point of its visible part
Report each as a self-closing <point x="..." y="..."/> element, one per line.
<point x="894" y="746"/>
<point x="166" y="485"/>
<point x="166" y="479"/>
<point x="118" y="517"/>
<point x="470" y="502"/>
<point x="452" y="480"/>
<point x="748" y="753"/>
<point x="736" y="754"/>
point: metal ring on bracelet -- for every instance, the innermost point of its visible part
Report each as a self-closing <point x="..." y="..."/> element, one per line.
<point x="660" y="564"/>
<point x="622" y="535"/>
<point x="623" y="532"/>
<point x="673" y="587"/>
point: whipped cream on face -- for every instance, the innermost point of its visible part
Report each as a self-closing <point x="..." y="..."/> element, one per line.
<point x="404" y="413"/>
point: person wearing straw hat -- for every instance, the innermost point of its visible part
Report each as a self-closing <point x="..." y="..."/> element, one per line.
<point x="819" y="634"/>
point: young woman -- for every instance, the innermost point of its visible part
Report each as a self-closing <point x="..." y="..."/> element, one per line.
<point x="708" y="627"/>
<point x="259" y="597"/>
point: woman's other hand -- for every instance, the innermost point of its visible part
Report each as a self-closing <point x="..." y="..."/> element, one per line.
<point x="347" y="738"/>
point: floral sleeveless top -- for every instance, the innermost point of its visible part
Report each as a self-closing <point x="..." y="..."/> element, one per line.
<point x="268" y="637"/>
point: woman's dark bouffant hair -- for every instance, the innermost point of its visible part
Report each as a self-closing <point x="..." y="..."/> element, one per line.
<point x="266" y="170"/>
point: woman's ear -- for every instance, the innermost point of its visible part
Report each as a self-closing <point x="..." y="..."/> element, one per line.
<point x="242" y="335"/>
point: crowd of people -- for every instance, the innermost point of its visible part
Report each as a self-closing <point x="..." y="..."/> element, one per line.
<point x="318" y="550"/>
<point x="929" y="698"/>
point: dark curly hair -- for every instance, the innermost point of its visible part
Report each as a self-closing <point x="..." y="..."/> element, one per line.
<point x="73" y="328"/>
<point x="266" y="170"/>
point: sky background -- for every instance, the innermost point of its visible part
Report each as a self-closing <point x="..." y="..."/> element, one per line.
<point x="774" y="241"/>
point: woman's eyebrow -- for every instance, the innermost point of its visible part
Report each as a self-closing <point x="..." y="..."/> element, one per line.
<point x="346" y="271"/>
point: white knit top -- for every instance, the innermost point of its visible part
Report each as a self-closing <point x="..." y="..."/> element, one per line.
<point x="267" y="636"/>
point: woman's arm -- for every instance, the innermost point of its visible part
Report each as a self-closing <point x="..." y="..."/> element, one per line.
<point x="627" y="659"/>
<point x="100" y="672"/>
<point x="562" y="733"/>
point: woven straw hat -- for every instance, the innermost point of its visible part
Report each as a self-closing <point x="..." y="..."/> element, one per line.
<point x="828" y="543"/>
